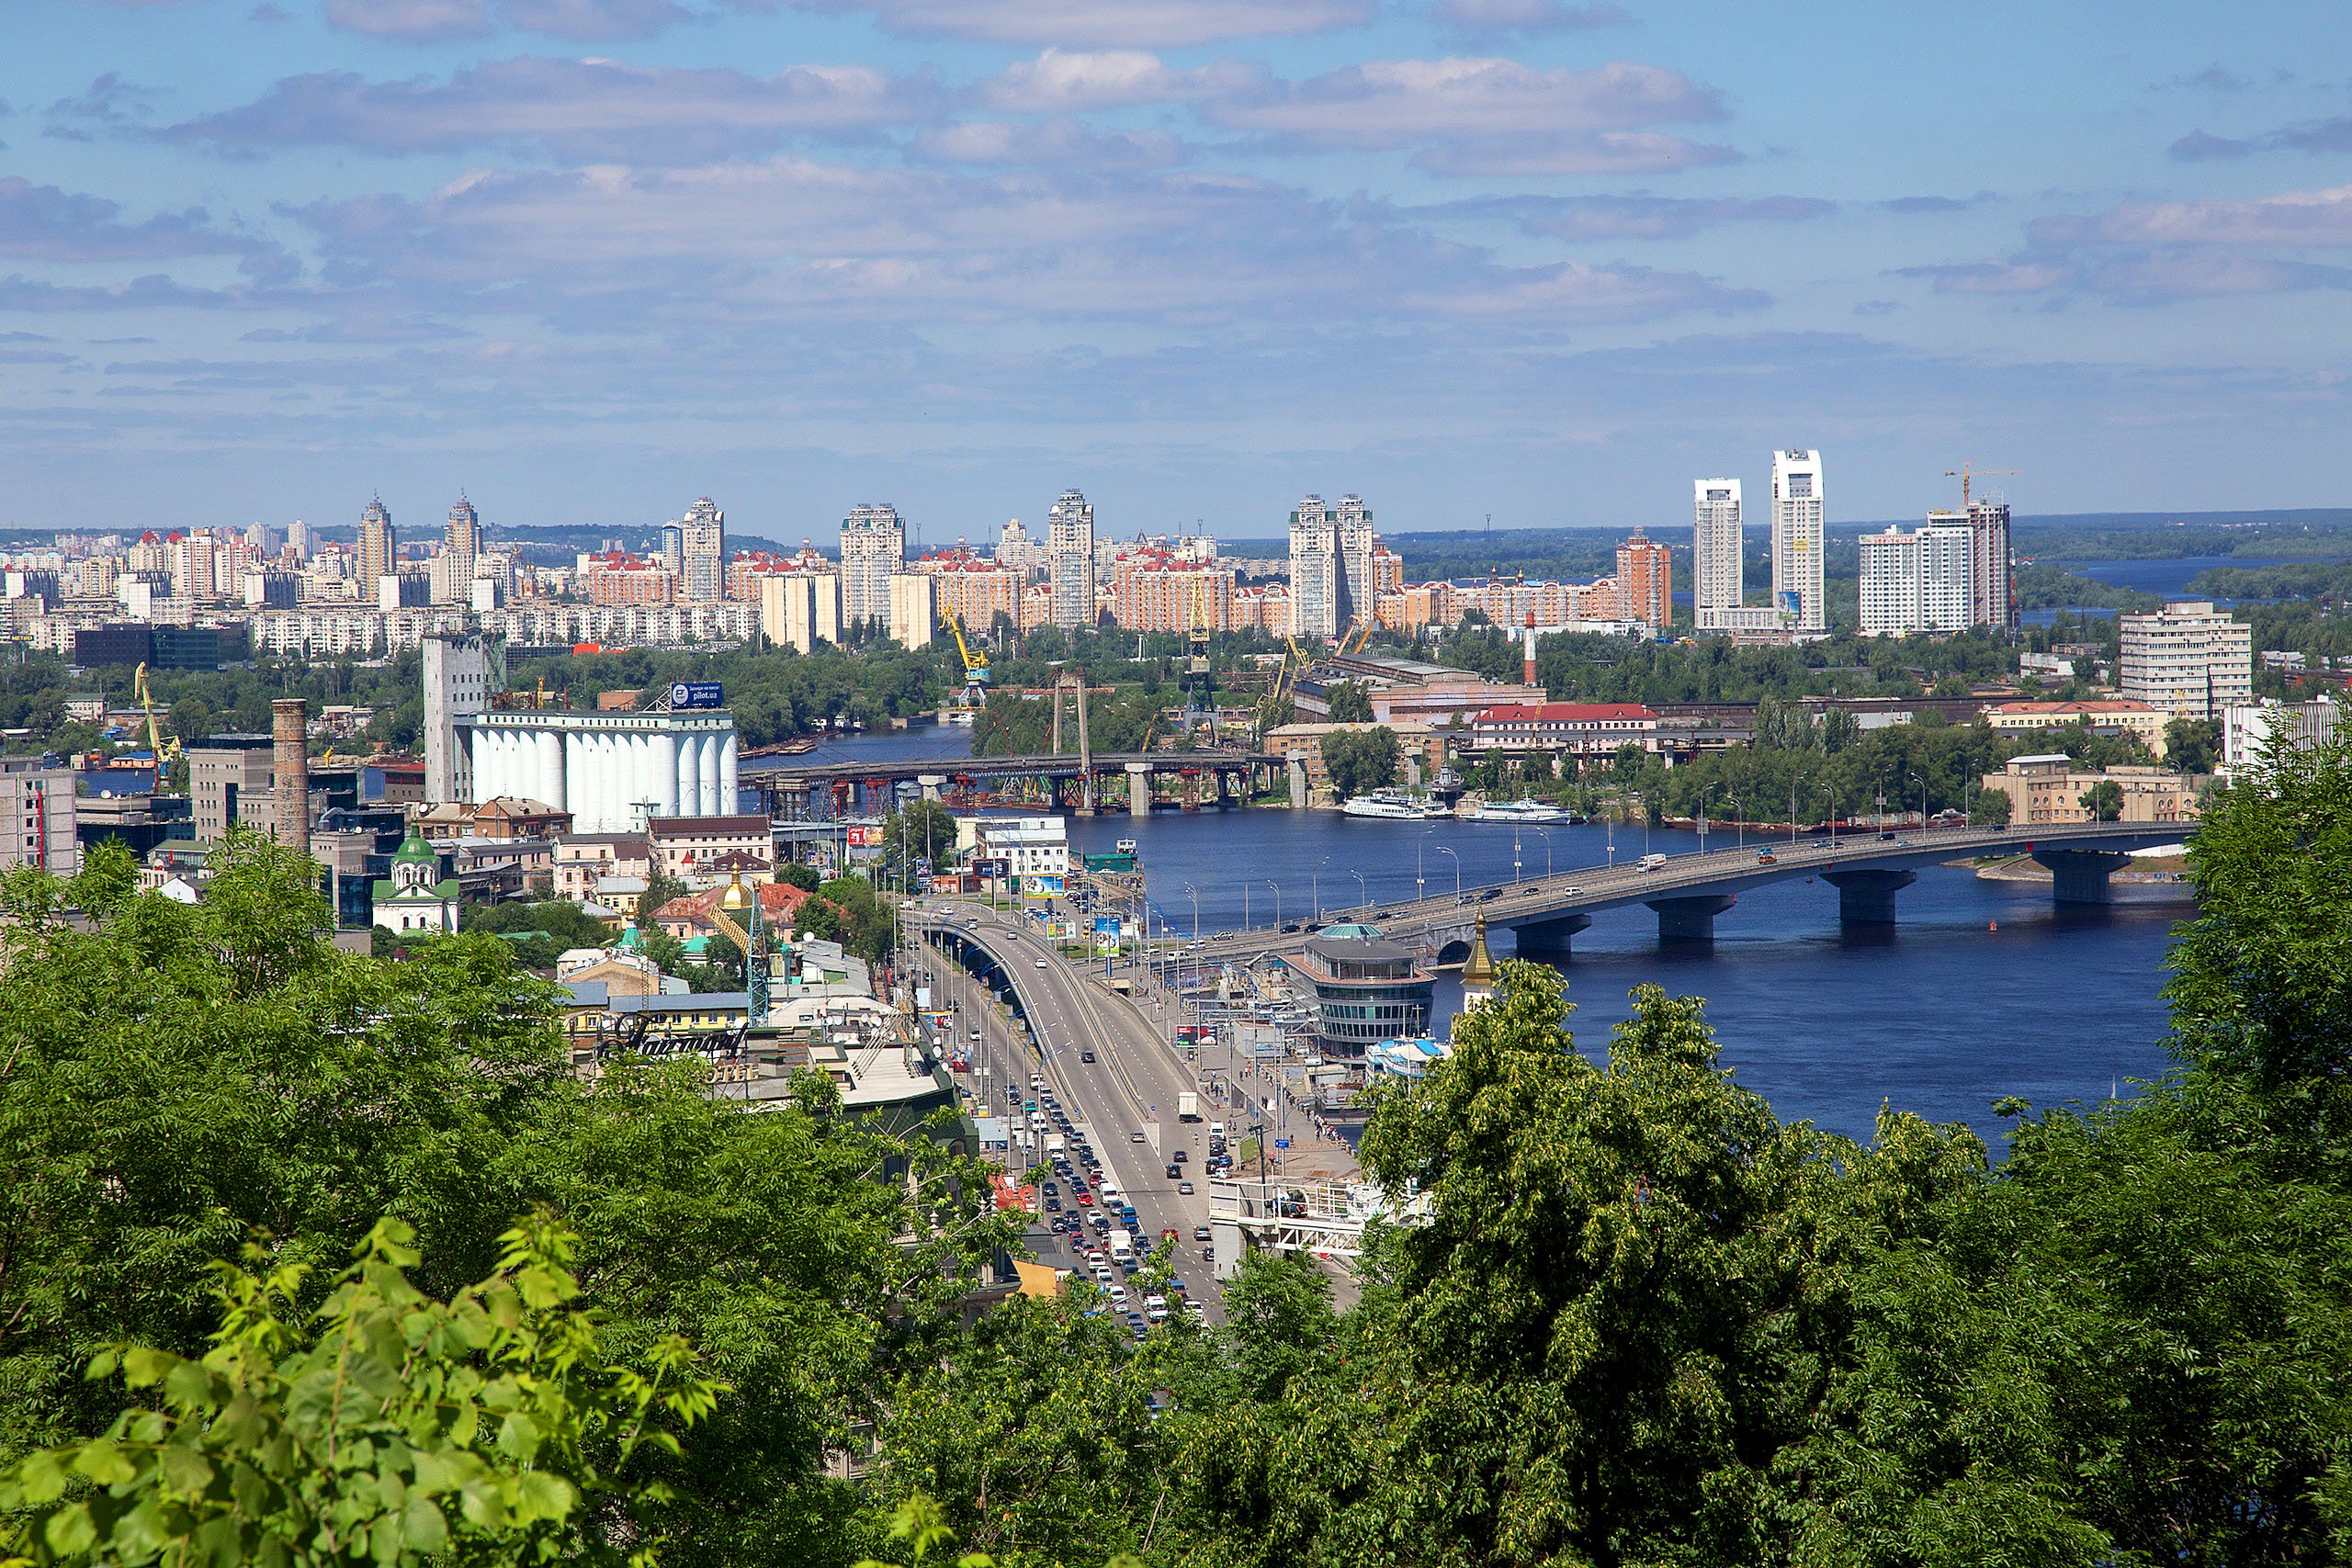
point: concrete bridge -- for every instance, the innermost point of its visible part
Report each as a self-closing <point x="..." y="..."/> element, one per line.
<point x="1138" y="782"/>
<point x="1689" y="891"/>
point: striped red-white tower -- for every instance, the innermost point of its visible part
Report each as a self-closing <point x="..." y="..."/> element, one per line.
<point x="1527" y="672"/>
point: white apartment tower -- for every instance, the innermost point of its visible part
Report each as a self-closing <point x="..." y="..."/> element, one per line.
<point x="1919" y="581"/>
<point x="1797" y="539"/>
<point x="1993" y="599"/>
<point x="1317" y="583"/>
<point x="1357" y="543"/>
<point x="873" y="551"/>
<point x="2187" y="659"/>
<point x="702" y="553"/>
<point x="1718" y="570"/>
<point x="1069" y="548"/>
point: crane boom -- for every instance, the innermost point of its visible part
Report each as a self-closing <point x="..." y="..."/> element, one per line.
<point x="1965" y="473"/>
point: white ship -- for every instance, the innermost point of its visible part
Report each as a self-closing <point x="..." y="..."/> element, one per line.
<point x="1394" y="806"/>
<point x="1526" y="811"/>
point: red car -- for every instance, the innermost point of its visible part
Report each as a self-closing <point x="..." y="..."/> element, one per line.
<point x="1084" y="1196"/>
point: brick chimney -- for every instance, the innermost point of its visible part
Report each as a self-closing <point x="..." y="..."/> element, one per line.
<point x="290" y="771"/>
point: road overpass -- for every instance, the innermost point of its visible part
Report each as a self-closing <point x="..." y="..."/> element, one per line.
<point x="1137" y="781"/>
<point x="1690" y="890"/>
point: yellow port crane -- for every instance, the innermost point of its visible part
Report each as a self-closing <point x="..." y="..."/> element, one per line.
<point x="976" y="665"/>
<point x="167" y="750"/>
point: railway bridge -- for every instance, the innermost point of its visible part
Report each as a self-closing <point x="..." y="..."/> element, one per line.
<point x="1083" y="783"/>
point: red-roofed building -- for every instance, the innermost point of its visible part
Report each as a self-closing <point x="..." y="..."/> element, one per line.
<point x="1579" y="730"/>
<point x="688" y="915"/>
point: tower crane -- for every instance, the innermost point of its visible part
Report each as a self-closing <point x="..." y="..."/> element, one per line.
<point x="1965" y="473"/>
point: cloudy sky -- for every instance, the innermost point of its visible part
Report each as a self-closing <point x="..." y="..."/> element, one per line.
<point x="1533" y="258"/>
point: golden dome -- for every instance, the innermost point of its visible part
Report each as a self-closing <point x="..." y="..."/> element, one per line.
<point x="1478" y="969"/>
<point x="736" y="896"/>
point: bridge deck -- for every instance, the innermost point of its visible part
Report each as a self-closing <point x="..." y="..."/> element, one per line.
<point x="1584" y="890"/>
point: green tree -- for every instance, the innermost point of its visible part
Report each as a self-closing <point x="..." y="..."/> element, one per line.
<point x="2104" y="801"/>
<point x="919" y="831"/>
<point x="799" y="874"/>
<point x="2193" y="745"/>
<point x="496" y="1428"/>
<point x="1991" y="809"/>
<point x="660" y="888"/>
<point x="1349" y="703"/>
<point x="1360" y="759"/>
<point x="1631" y="1287"/>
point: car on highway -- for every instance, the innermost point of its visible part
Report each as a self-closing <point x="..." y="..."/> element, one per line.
<point x="1085" y="1197"/>
<point x="1135" y="1137"/>
<point x="1180" y="1156"/>
<point x="1766" y="857"/>
<point x="1185" y="1187"/>
<point x="1465" y="898"/>
<point x="1086" y="1055"/>
<point x="1200" y="1232"/>
<point x="1175" y="1173"/>
<point x="1041" y="963"/>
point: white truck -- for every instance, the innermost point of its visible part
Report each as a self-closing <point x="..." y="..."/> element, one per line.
<point x="1650" y="863"/>
<point x="1055" y="1145"/>
<point x="1123" y="1247"/>
<point x="1188" y="1106"/>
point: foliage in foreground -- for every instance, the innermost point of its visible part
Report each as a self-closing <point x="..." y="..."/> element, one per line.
<point x="1644" y="1322"/>
<point x="385" y="1426"/>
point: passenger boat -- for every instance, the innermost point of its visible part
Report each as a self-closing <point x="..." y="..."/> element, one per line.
<point x="1534" y="812"/>
<point x="1391" y="805"/>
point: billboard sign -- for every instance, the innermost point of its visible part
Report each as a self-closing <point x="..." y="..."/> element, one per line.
<point x="1042" y="886"/>
<point x="864" y="836"/>
<point x="696" y="695"/>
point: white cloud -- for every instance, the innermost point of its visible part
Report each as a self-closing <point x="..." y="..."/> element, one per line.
<point x="2291" y="218"/>
<point x="1100" y="23"/>
<point x="1483" y="114"/>
<point x="592" y="19"/>
<point x="571" y="109"/>
<point x="1065" y="80"/>
<point x="412" y="21"/>
<point x="1527" y="16"/>
<point x="1055" y="144"/>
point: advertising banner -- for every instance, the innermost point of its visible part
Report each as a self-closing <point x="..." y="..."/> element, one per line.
<point x="696" y="695"/>
<point x="1042" y="886"/>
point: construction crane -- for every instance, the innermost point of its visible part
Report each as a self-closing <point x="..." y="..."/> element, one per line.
<point x="1965" y="473"/>
<point x="1358" y="635"/>
<point x="747" y="936"/>
<point x="1199" y="633"/>
<point x="976" y="665"/>
<point x="167" y="751"/>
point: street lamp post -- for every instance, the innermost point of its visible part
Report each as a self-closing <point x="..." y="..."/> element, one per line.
<point x="1546" y="834"/>
<point x="1278" y="901"/>
<point x="1421" y="883"/>
<point x="1364" y="890"/>
<point x="1739" y="820"/>
<point x="1923" y="801"/>
<point x="1196" y="909"/>
<point x="1703" y="793"/>
<point x="1515" y="841"/>
<point x="1448" y="849"/>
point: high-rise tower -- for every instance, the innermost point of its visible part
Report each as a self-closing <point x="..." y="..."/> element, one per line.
<point x="1069" y="545"/>
<point x="873" y="551"/>
<point x="1318" y="581"/>
<point x="1797" y="539"/>
<point x="1718" y="570"/>
<point x="377" y="545"/>
<point x="1360" y="596"/>
<point x="702" y="553"/>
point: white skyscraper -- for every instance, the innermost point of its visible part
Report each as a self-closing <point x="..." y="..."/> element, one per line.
<point x="1797" y="539"/>
<point x="1719" y="572"/>
<point x="1359" y="600"/>
<point x="1317" y="583"/>
<point x="702" y="553"/>
<point x="1069" y="548"/>
<point x="1918" y="581"/>
<point x="873" y="551"/>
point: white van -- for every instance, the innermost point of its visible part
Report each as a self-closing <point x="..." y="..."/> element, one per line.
<point x="1216" y="1129"/>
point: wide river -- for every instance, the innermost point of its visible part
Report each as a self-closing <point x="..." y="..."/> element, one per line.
<point x="1943" y="1015"/>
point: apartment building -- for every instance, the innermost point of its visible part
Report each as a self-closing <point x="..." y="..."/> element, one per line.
<point x="2186" y="658"/>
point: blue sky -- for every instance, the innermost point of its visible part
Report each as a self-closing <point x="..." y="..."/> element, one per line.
<point x="1533" y="258"/>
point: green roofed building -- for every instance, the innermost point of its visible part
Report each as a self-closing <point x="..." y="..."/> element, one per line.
<point x="416" y="897"/>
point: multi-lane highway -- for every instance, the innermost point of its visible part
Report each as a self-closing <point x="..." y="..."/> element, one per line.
<point x="1123" y="1100"/>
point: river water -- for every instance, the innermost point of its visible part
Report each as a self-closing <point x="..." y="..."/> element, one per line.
<point x="1942" y="1016"/>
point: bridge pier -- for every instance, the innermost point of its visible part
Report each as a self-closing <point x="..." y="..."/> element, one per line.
<point x="1298" y="783"/>
<point x="1690" y="918"/>
<point x="1866" y="897"/>
<point x="932" y="785"/>
<point x="2080" y="876"/>
<point x="1542" y="939"/>
<point x="1139" y="788"/>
